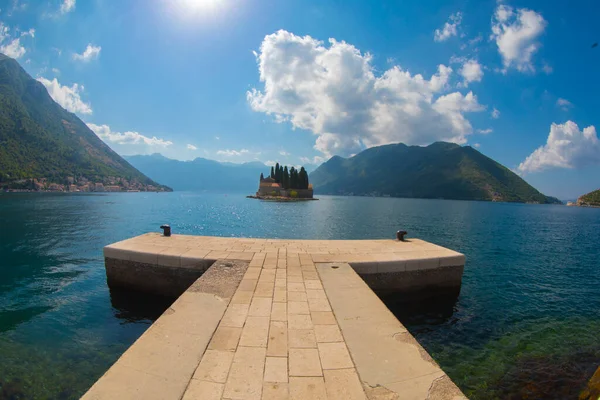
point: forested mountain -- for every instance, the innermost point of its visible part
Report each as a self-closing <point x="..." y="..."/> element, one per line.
<point x="41" y="142"/>
<point x="201" y="174"/>
<point x="590" y="199"/>
<point x="440" y="170"/>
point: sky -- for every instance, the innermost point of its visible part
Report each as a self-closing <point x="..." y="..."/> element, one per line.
<point x="299" y="81"/>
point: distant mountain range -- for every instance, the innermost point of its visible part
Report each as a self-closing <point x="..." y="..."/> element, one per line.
<point x="201" y="174"/>
<point x="438" y="171"/>
<point x="42" y="145"/>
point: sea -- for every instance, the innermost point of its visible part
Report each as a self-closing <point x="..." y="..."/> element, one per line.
<point x="525" y="326"/>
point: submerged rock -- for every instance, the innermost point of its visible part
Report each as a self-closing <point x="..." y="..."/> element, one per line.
<point x="592" y="390"/>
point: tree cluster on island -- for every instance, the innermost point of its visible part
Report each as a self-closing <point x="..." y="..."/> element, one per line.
<point x="289" y="179"/>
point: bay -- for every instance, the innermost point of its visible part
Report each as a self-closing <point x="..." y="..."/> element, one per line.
<point x="525" y="325"/>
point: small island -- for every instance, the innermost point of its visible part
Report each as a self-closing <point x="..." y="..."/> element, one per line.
<point x="284" y="185"/>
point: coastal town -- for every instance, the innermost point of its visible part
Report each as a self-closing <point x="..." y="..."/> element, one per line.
<point x="81" y="184"/>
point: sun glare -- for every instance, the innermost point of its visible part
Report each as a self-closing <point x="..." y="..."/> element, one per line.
<point x="197" y="5"/>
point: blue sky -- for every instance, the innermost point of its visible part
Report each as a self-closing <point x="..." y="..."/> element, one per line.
<point x="299" y="81"/>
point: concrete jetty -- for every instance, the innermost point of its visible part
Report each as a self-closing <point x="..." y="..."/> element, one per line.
<point x="278" y="319"/>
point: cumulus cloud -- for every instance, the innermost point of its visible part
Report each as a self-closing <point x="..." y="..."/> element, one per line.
<point x="67" y="6"/>
<point x="284" y="153"/>
<point x="516" y="34"/>
<point x="333" y="92"/>
<point x="471" y="71"/>
<point x="270" y="163"/>
<point x="10" y="45"/>
<point x="191" y="147"/>
<point x="127" y="138"/>
<point x="547" y="69"/>
<point x="69" y="97"/>
<point x="449" y="29"/>
<point x="495" y="113"/>
<point x="485" y="131"/>
<point x="566" y="147"/>
<point x="91" y="52"/>
<point x="476" y="145"/>
<point x="230" y="153"/>
<point x="564" y="104"/>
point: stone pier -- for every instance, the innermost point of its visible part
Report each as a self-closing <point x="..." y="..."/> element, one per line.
<point x="278" y="319"/>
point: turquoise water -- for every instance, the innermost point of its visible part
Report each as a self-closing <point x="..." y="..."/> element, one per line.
<point x="526" y="324"/>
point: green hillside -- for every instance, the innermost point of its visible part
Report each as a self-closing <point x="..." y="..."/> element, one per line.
<point x="590" y="199"/>
<point x="440" y="170"/>
<point x="40" y="140"/>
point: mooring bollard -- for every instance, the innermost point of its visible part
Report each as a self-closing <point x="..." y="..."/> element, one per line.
<point x="400" y="235"/>
<point x="166" y="230"/>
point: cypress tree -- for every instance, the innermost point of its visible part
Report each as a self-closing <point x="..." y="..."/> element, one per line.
<point x="272" y="172"/>
<point x="277" y="173"/>
<point x="303" y="178"/>
<point x="286" y="178"/>
<point x="261" y="176"/>
<point x="292" y="178"/>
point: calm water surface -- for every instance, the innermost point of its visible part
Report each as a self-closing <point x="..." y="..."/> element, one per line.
<point x="526" y="325"/>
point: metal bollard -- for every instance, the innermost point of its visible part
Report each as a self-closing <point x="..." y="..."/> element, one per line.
<point x="166" y="230"/>
<point x="400" y="235"/>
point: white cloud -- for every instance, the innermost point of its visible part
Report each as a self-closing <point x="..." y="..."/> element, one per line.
<point x="56" y="71"/>
<point x="476" y="39"/>
<point x="471" y="71"/>
<point x="495" y="113"/>
<point x="67" y="6"/>
<point x="230" y="153"/>
<point x="315" y="160"/>
<point x="564" y="104"/>
<point x="217" y="138"/>
<point x="516" y="34"/>
<point x="334" y="92"/>
<point x="476" y="145"/>
<point x="11" y="46"/>
<point x="270" y="163"/>
<point x="91" y="52"/>
<point x="449" y="29"/>
<point x="547" y="69"/>
<point x="284" y="153"/>
<point x="69" y="97"/>
<point x="566" y="147"/>
<point x="127" y="138"/>
<point x="485" y="131"/>
<point x="191" y="147"/>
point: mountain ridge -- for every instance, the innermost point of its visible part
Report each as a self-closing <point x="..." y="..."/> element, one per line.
<point x="42" y="144"/>
<point x="440" y="170"/>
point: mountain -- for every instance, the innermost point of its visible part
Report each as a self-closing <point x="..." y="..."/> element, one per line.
<point x="592" y="199"/>
<point x="201" y="174"/>
<point x="438" y="171"/>
<point x="40" y="141"/>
